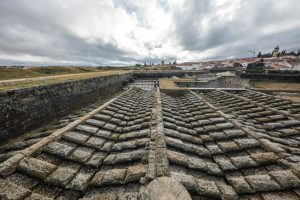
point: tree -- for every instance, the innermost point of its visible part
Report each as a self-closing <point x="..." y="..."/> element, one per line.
<point x="145" y="64"/>
<point x="259" y="55"/>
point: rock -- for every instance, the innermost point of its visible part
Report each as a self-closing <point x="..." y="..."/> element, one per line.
<point x="165" y="188"/>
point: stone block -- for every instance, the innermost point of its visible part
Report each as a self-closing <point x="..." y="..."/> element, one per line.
<point x="286" y="179"/>
<point x="240" y="185"/>
<point x="109" y="177"/>
<point x="135" y="173"/>
<point x="95" y="122"/>
<point x="208" y="188"/>
<point x="246" y="143"/>
<point x="103" y="133"/>
<point x="59" y="149"/>
<point x="96" y="159"/>
<point x="36" y="168"/>
<point x="242" y="162"/>
<point x="264" y="158"/>
<point x="229" y="146"/>
<point x="11" y="191"/>
<point x="197" y="163"/>
<point x="61" y="176"/>
<point x="75" y="137"/>
<point x="87" y="129"/>
<point x="224" y="163"/>
<point x="80" y="181"/>
<point x="262" y="183"/>
<point x="95" y="142"/>
<point x="187" y="181"/>
<point x="177" y="158"/>
<point x="81" y="154"/>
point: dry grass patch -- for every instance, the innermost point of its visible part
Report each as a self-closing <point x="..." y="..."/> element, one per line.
<point x="167" y="84"/>
<point x="272" y="85"/>
<point x="46" y="80"/>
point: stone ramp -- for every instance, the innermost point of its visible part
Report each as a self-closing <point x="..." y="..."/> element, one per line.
<point x="281" y="128"/>
<point x="120" y="148"/>
<point x="15" y="145"/>
<point x="215" y="158"/>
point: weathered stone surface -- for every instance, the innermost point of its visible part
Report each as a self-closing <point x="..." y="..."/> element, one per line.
<point x="164" y="188"/>
<point x="36" y="168"/>
<point x="80" y="181"/>
<point x="264" y="158"/>
<point x="177" y="158"/>
<point x="102" y="116"/>
<point x="22" y="180"/>
<point x="75" y="137"/>
<point x="247" y="143"/>
<point x="96" y="159"/>
<point x="224" y="163"/>
<point x="125" y="145"/>
<point x="208" y="188"/>
<point x="35" y="196"/>
<point x="135" y="173"/>
<point x="95" y="142"/>
<point x="59" y="149"/>
<point x="234" y="133"/>
<point x="81" y="154"/>
<point x="228" y="146"/>
<point x="214" y="149"/>
<point x="243" y="162"/>
<point x="61" y="176"/>
<point x="240" y="185"/>
<point x="187" y="181"/>
<point x="110" y="177"/>
<point x="11" y="191"/>
<point x="227" y="192"/>
<point x="225" y="125"/>
<point x="87" y="129"/>
<point x="197" y="163"/>
<point x="95" y="122"/>
<point x="286" y="179"/>
<point x="280" y="196"/>
<point x="110" y="126"/>
<point x="262" y="182"/>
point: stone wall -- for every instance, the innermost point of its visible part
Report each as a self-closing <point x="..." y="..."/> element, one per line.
<point x="22" y="110"/>
<point x="277" y="77"/>
<point x="222" y="82"/>
<point x="164" y="74"/>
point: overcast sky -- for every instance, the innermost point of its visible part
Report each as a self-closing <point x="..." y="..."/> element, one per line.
<point x="122" y="32"/>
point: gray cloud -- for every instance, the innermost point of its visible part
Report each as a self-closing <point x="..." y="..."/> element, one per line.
<point x="122" y="32"/>
<point x="245" y="29"/>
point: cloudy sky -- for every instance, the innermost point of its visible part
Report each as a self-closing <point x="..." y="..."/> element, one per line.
<point x="123" y="32"/>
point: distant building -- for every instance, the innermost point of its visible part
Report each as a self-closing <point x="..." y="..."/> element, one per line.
<point x="256" y="68"/>
<point x="275" y="52"/>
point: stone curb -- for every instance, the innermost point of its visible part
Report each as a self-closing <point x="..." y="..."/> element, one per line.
<point x="158" y="161"/>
